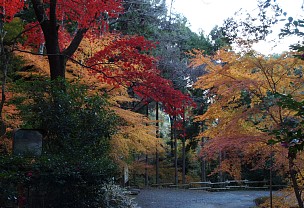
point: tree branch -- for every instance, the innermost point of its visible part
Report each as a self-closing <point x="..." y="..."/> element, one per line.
<point x="70" y="50"/>
<point x="39" y="10"/>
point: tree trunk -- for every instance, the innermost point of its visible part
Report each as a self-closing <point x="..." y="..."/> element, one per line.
<point x="220" y="179"/>
<point x="203" y="170"/>
<point x="175" y="154"/>
<point x="146" y="172"/>
<point x="4" y="65"/>
<point x="203" y="164"/>
<point x="293" y="176"/>
<point x="184" y="161"/>
<point x="157" y="136"/>
<point x="270" y="177"/>
<point x="57" y="60"/>
<point x="146" y="163"/>
<point x="171" y="137"/>
<point x="184" y="151"/>
<point x="48" y="22"/>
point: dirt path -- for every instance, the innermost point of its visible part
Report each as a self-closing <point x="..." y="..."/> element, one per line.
<point x="179" y="198"/>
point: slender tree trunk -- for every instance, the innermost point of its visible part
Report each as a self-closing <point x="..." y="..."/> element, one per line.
<point x="293" y="176"/>
<point x="175" y="154"/>
<point x="146" y="162"/>
<point x="171" y="137"/>
<point x="203" y="164"/>
<point x="184" y="151"/>
<point x="270" y="176"/>
<point x="184" y="161"/>
<point x="134" y="171"/>
<point x="146" y="172"/>
<point x="220" y="172"/>
<point x="157" y="136"/>
<point x="203" y="170"/>
<point x="4" y="59"/>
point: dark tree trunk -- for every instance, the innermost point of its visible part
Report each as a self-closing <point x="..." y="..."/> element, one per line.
<point x="57" y="59"/>
<point x="157" y="136"/>
<point x="171" y="137"/>
<point x="293" y="176"/>
<point x="146" y="162"/>
<point x="175" y="153"/>
<point x="203" y="163"/>
<point x="184" y="151"/>
<point x="184" y="161"/>
<point x="49" y="26"/>
<point x="4" y="59"/>
<point x="146" y="172"/>
<point x="203" y="170"/>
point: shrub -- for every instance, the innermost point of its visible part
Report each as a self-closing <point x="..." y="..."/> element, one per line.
<point x="75" y="162"/>
<point x="115" y="197"/>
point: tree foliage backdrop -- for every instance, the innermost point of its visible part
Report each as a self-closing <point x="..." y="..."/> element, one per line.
<point x="120" y="74"/>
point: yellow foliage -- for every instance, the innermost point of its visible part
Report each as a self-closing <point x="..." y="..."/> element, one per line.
<point x="234" y="120"/>
<point x="138" y="132"/>
<point x="277" y="202"/>
<point x="136" y="135"/>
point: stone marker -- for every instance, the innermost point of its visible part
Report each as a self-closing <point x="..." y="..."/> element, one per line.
<point x="28" y="142"/>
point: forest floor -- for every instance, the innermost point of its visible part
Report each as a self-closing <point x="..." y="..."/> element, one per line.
<point x="183" y="198"/>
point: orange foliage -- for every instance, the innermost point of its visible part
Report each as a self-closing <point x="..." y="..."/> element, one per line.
<point x="135" y="135"/>
<point x="240" y="89"/>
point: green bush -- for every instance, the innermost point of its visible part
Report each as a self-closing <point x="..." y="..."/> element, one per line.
<point x="75" y="162"/>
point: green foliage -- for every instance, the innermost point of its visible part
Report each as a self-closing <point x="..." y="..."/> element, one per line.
<point x="13" y="65"/>
<point x="13" y="29"/>
<point x="75" y="161"/>
<point x="249" y="26"/>
<point x="74" y="119"/>
<point x="290" y="134"/>
<point x="141" y="17"/>
<point x="60" y="181"/>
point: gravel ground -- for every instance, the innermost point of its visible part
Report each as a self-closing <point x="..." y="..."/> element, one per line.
<point x="180" y="198"/>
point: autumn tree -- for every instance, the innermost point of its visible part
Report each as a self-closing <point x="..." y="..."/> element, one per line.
<point x="290" y="135"/>
<point x="242" y="92"/>
<point x="141" y="18"/>
<point x="293" y="27"/>
<point x="249" y="27"/>
<point x="124" y="61"/>
<point x="150" y="19"/>
<point x="53" y="16"/>
<point x="7" y="11"/>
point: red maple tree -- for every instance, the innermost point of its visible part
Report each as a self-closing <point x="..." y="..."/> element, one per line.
<point x="124" y="61"/>
<point x="8" y="9"/>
